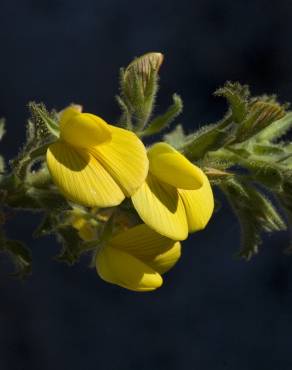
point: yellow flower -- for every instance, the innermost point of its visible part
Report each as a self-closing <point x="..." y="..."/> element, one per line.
<point x="94" y="163"/>
<point x="176" y="197"/>
<point x="135" y="259"/>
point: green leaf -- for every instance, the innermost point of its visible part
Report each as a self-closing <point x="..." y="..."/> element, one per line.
<point x="21" y="257"/>
<point x="285" y="199"/>
<point x="2" y="165"/>
<point x="46" y="227"/>
<point x="266" y="174"/>
<point x="176" y="138"/>
<point x="40" y="151"/>
<point x="237" y="96"/>
<point x="2" y="128"/>
<point x="256" y="214"/>
<point x="71" y="245"/>
<point x="265" y="171"/>
<point x="208" y="138"/>
<point x="47" y="199"/>
<point x="164" y="120"/>
<point x="267" y="150"/>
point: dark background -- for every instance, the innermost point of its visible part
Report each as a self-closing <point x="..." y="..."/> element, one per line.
<point x="213" y="312"/>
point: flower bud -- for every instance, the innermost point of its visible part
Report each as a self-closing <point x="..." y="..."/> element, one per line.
<point x="141" y="69"/>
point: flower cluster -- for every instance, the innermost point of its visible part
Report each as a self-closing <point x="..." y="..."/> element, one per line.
<point x="95" y="164"/>
<point x="129" y="203"/>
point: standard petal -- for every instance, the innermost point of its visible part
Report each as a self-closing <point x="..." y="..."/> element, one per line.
<point x="125" y="158"/>
<point x="160" y="207"/>
<point x="157" y="251"/>
<point x="120" y="268"/>
<point x="81" y="178"/>
<point x="83" y="129"/>
<point x="199" y="205"/>
<point x="170" y="166"/>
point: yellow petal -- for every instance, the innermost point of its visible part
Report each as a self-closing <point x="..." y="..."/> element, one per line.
<point x="120" y="268"/>
<point x="125" y="158"/>
<point x="83" y="129"/>
<point x="157" y="251"/>
<point x="166" y="260"/>
<point x="69" y="113"/>
<point x="141" y="241"/>
<point x="170" y="166"/>
<point x="81" y="178"/>
<point x="160" y="207"/>
<point x="199" y="205"/>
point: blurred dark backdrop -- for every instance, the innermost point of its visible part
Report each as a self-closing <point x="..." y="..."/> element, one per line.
<point x="213" y="312"/>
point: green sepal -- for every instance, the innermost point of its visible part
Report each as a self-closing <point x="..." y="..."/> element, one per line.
<point x="38" y="137"/>
<point x="45" y="119"/>
<point x="141" y="69"/>
<point x="138" y="89"/>
<point x="261" y="114"/>
<point x="275" y="130"/>
<point x="125" y="120"/>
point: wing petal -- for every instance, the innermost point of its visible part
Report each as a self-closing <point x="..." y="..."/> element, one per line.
<point x="160" y="207"/>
